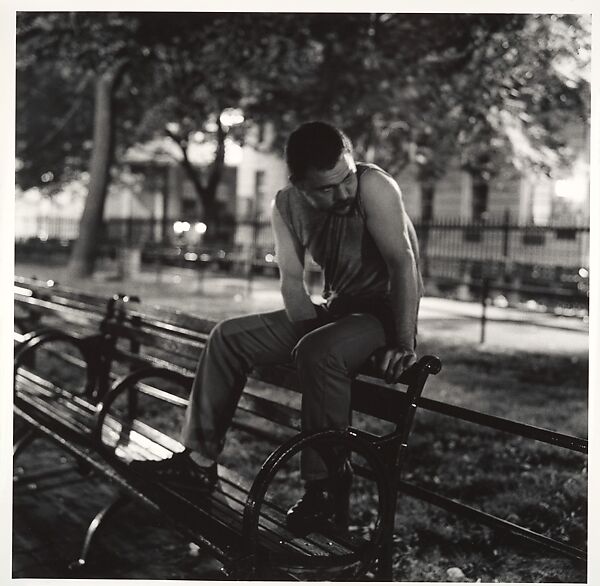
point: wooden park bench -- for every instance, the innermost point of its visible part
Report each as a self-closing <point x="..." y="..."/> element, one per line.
<point x="134" y="366"/>
<point x="43" y="304"/>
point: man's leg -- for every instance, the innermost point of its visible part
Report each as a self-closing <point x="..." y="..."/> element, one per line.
<point x="327" y="360"/>
<point x="233" y="348"/>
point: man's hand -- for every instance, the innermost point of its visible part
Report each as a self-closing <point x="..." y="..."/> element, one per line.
<point x="392" y="362"/>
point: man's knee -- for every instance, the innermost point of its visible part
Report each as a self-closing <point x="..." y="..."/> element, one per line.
<point x="312" y="353"/>
<point x="224" y="332"/>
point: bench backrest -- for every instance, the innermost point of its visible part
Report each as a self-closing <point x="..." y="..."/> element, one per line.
<point x="172" y="339"/>
<point x="46" y="304"/>
<point x="147" y="335"/>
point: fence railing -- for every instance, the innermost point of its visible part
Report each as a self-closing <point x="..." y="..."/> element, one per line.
<point x="497" y="241"/>
<point x="514" y="257"/>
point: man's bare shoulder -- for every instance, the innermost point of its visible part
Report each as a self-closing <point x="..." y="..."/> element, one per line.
<point x="282" y="197"/>
<point x="375" y="181"/>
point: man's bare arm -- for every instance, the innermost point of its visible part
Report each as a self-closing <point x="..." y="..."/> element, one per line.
<point x="290" y="259"/>
<point x="387" y="224"/>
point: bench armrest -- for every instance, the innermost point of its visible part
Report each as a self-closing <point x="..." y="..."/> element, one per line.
<point x="345" y="565"/>
<point x="36" y="339"/>
<point x="128" y="384"/>
<point x="427" y="364"/>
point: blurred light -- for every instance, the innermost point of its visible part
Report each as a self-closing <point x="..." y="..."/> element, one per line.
<point x="205" y="257"/>
<point x="573" y="188"/>
<point x="583" y="273"/>
<point x="50" y="283"/>
<point x="500" y="301"/>
<point x="562" y="188"/>
<point x="43" y="236"/>
<point x="531" y="304"/>
<point x="25" y="292"/>
<point x="180" y="227"/>
<point x="269" y="258"/>
<point x="47" y="177"/>
<point x="190" y="256"/>
<point x="173" y="127"/>
<point x="200" y="227"/>
<point x="231" y="117"/>
<point x="194" y="550"/>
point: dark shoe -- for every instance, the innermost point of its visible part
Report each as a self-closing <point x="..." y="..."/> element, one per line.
<point x="179" y="472"/>
<point x="324" y="501"/>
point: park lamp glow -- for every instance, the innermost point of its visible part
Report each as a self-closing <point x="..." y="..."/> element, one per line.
<point x="200" y="227"/>
<point x="181" y="227"/>
<point x="231" y="117"/>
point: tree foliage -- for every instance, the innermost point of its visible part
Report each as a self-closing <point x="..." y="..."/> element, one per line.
<point x="486" y="90"/>
<point x="59" y="55"/>
<point x="419" y="89"/>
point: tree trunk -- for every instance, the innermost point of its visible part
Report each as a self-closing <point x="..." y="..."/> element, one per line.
<point x="193" y="174"/>
<point x="427" y="198"/>
<point x="207" y="194"/>
<point x="480" y="196"/>
<point x="216" y="173"/>
<point x="82" y="261"/>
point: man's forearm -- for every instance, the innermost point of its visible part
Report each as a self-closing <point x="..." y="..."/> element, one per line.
<point x="405" y="292"/>
<point x="296" y="300"/>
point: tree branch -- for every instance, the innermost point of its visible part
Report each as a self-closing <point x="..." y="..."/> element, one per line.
<point x="61" y="125"/>
<point x="191" y="171"/>
<point x="217" y="167"/>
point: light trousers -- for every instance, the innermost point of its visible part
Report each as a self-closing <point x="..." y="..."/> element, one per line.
<point x="327" y="359"/>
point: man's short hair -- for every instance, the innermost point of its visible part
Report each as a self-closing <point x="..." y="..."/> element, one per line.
<point x="314" y="145"/>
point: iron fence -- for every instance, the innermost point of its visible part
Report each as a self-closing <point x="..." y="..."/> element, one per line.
<point x="499" y="241"/>
<point x="551" y="259"/>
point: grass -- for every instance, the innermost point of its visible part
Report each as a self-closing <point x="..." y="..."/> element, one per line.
<point x="526" y="482"/>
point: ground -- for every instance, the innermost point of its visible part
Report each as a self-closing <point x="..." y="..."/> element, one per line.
<point x="526" y="370"/>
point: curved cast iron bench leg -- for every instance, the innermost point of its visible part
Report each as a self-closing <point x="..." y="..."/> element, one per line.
<point x="101" y="517"/>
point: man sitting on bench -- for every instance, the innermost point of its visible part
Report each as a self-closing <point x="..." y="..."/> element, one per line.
<point x="351" y="219"/>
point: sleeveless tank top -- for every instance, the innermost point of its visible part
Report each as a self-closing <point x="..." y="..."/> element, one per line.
<point x="355" y="274"/>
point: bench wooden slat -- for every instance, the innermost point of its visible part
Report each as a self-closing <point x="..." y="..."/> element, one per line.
<point x="39" y="287"/>
<point x="139" y="361"/>
<point x="270" y="410"/>
<point x="68" y="314"/>
<point x="272" y="529"/>
<point x="134" y="329"/>
<point x="164" y="396"/>
<point x="238" y="487"/>
<point x="171" y="320"/>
